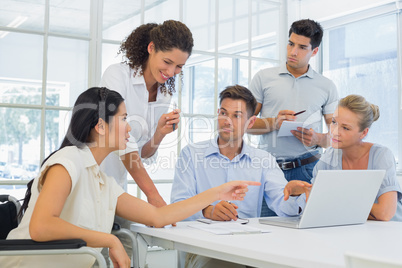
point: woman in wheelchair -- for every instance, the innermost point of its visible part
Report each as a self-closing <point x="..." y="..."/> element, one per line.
<point x="71" y="198"/>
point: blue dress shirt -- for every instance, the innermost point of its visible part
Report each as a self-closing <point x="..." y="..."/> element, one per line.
<point x="201" y="166"/>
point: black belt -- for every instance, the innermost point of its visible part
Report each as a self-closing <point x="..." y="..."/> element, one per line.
<point x="286" y="165"/>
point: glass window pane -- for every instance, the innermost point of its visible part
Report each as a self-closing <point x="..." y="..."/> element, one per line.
<point x="27" y="15"/>
<point x="243" y="72"/>
<point x="199" y="16"/>
<point x="21" y="68"/>
<point x="69" y="17"/>
<point x="159" y="11"/>
<point x="56" y="125"/>
<point x="259" y="65"/>
<point x="358" y="64"/>
<point x="197" y="128"/>
<point x="225" y="74"/>
<point x="67" y="70"/>
<point x="265" y="26"/>
<point x="233" y="26"/>
<point x="120" y="18"/>
<point x="20" y="142"/>
<point x="203" y="88"/>
<point x="110" y="56"/>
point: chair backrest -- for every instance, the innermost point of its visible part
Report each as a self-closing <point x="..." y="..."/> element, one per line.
<point x="9" y="207"/>
<point x="354" y="260"/>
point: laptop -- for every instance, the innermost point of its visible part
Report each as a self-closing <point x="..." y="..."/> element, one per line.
<point x="338" y="197"/>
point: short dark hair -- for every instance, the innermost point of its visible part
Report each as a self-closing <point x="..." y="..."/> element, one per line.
<point x="238" y="92"/>
<point x="308" y="28"/>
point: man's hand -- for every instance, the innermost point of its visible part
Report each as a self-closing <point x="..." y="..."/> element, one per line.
<point x="156" y="200"/>
<point x="282" y="116"/>
<point x="295" y="188"/>
<point x="223" y="211"/>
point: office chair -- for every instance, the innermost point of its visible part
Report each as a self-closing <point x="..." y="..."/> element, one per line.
<point x="354" y="260"/>
<point x="117" y="230"/>
<point x="9" y="207"/>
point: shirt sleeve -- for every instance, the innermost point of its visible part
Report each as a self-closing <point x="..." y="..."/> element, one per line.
<point x="384" y="159"/>
<point x="256" y="88"/>
<point x="274" y="185"/>
<point x="184" y="183"/>
<point x="115" y="78"/>
<point x="73" y="167"/>
<point x="333" y="98"/>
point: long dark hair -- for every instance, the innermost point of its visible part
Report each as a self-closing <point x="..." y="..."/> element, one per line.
<point x="166" y="36"/>
<point x="91" y="105"/>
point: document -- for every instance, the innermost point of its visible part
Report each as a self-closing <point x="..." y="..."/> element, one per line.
<point x="209" y="221"/>
<point x="228" y="228"/>
<point x="287" y="126"/>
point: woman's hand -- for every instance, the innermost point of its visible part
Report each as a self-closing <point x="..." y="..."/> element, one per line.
<point x="118" y="255"/>
<point x="235" y="190"/>
<point x="168" y="122"/>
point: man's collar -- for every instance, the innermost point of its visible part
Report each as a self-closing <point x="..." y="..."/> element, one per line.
<point x="214" y="149"/>
<point x="284" y="70"/>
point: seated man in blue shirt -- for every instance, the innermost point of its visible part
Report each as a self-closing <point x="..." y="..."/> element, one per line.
<point x="227" y="157"/>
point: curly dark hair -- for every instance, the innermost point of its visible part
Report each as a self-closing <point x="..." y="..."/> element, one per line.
<point x="166" y="36"/>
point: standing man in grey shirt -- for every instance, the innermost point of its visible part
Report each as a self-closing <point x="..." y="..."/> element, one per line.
<point x="283" y="91"/>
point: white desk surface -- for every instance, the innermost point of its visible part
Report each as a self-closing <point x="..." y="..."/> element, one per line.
<point x="283" y="247"/>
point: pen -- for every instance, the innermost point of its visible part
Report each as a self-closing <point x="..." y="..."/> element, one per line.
<point x="174" y="108"/>
<point x="299" y="113"/>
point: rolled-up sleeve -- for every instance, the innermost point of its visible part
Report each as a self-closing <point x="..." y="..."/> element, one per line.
<point x="184" y="183"/>
<point x="275" y="183"/>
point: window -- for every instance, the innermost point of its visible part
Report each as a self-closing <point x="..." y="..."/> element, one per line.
<point x="44" y="68"/>
<point x="53" y="50"/>
<point x="361" y="58"/>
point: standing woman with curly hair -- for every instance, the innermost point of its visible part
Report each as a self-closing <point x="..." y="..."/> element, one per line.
<point x="154" y="55"/>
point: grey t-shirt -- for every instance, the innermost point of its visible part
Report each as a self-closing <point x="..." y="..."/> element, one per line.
<point x="380" y="157"/>
<point x="277" y="89"/>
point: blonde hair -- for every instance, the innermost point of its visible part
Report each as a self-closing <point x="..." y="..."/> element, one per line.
<point x="367" y="111"/>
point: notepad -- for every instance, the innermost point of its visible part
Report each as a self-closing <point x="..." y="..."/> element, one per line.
<point x="287" y="126"/>
<point x="228" y="228"/>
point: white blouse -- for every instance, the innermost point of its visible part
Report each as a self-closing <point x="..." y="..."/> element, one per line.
<point x="143" y="116"/>
<point x="91" y="204"/>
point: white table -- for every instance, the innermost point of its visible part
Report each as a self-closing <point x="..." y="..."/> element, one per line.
<point x="283" y="247"/>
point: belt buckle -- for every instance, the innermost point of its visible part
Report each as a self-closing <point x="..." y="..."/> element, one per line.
<point x="283" y="167"/>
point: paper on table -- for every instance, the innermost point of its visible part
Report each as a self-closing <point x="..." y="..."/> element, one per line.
<point x="209" y="221"/>
<point x="287" y="126"/>
<point x="228" y="228"/>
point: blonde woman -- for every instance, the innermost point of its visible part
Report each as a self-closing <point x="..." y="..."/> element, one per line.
<point x="350" y="124"/>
